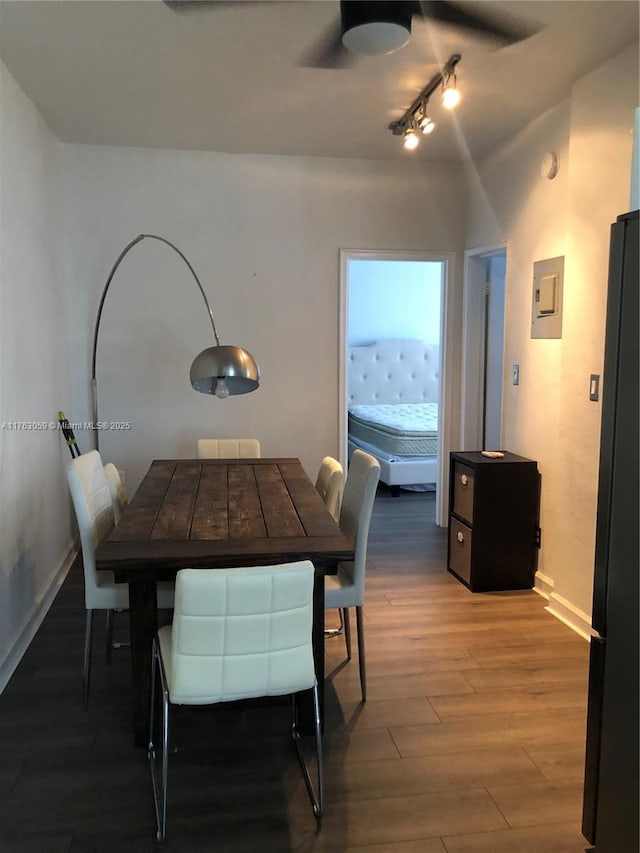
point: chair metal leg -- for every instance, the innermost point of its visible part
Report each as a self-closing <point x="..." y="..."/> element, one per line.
<point x="109" y="635"/>
<point x="159" y="792"/>
<point x="347" y="630"/>
<point x="332" y="632"/>
<point x="165" y="763"/>
<point x="319" y="807"/>
<point x="316" y="795"/>
<point x="110" y="644"/>
<point x="152" y="709"/>
<point x="86" y="669"/>
<point x="361" y="657"/>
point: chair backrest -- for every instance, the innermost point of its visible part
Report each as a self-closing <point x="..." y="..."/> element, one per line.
<point x="94" y="512"/>
<point x="241" y="633"/>
<point x="228" y="448"/>
<point x="329" y="483"/>
<point x="116" y="489"/>
<point x="357" y="504"/>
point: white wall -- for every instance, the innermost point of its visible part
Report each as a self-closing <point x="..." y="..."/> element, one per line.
<point x="264" y="234"/>
<point x="391" y="299"/>
<point x="35" y="529"/>
<point x="549" y="417"/>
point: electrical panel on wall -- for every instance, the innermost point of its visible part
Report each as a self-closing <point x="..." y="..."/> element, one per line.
<point x="546" y="302"/>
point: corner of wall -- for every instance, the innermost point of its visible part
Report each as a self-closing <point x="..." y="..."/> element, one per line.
<point x="572" y="616"/>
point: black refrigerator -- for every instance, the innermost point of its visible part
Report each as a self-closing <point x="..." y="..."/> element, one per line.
<point x="611" y="795"/>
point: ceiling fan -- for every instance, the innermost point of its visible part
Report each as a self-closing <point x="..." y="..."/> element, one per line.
<point x="383" y="26"/>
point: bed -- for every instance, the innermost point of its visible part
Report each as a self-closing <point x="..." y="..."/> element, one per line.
<point x="393" y="391"/>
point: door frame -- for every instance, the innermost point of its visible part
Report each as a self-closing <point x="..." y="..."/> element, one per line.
<point x="473" y="343"/>
<point x="447" y="259"/>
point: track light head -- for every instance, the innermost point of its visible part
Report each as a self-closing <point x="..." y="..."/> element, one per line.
<point x="426" y="123"/>
<point x="450" y="92"/>
<point x="411" y="138"/>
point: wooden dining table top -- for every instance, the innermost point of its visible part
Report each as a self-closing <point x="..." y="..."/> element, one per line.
<point x="214" y="513"/>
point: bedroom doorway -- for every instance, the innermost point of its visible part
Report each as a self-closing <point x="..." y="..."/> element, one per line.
<point x="387" y="298"/>
<point x="483" y="337"/>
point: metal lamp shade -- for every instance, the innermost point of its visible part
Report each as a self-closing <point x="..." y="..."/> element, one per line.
<point x="234" y="365"/>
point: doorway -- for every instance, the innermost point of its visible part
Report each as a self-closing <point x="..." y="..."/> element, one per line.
<point x="484" y="311"/>
<point x="415" y="311"/>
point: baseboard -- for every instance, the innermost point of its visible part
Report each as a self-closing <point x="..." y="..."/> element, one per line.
<point x="543" y="585"/>
<point x="568" y="613"/>
<point x="35" y="619"/>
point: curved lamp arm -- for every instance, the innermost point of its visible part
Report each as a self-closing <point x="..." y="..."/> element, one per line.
<point x="219" y="370"/>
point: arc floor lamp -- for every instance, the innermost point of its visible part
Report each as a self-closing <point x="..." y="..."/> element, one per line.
<point x="220" y="370"/>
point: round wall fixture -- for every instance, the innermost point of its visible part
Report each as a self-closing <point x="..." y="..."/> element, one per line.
<point x="549" y="165"/>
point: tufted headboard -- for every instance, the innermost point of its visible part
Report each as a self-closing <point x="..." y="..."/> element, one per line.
<point x="393" y="372"/>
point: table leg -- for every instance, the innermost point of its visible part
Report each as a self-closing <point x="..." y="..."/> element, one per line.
<point x="143" y="624"/>
<point x="306" y="723"/>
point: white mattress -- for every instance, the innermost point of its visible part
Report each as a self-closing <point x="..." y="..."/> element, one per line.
<point x="401" y="429"/>
<point x="417" y="473"/>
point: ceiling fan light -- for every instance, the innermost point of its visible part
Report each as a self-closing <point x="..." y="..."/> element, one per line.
<point x="376" y="37"/>
<point x="411" y="139"/>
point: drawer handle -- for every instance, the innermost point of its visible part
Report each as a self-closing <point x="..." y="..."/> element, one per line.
<point x="464" y="479"/>
<point x="460" y="536"/>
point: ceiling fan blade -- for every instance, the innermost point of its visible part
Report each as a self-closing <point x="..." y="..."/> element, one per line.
<point x="196" y="5"/>
<point x="489" y="25"/>
<point x="191" y="5"/>
<point x="327" y="51"/>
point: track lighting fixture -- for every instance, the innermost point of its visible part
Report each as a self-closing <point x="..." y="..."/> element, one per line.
<point x="417" y="117"/>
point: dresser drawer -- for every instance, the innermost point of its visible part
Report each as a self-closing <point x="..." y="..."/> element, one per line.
<point x="460" y="549"/>
<point x="463" y="485"/>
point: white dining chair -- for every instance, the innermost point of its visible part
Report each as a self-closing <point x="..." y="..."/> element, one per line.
<point x="346" y="588"/>
<point x="329" y="483"/>
<point x="93" y="507"/>
<point x="116" y="489"/>
<point x="228" y="448"/>
<point x="237" y="633"/>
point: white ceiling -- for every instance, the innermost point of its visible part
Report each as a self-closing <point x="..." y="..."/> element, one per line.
<point x="136" y="73"/>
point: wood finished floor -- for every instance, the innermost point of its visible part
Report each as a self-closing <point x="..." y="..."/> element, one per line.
<point x="471" y="741"/>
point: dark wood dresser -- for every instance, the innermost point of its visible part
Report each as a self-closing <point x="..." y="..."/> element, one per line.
<point x="493" y="521"/>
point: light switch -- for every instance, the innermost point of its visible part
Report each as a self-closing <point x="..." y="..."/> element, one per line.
<point x="516" y="374"/>
<point x="594" y="387"/>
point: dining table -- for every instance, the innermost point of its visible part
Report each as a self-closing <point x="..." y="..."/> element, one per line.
<point x="213" y="514"/>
